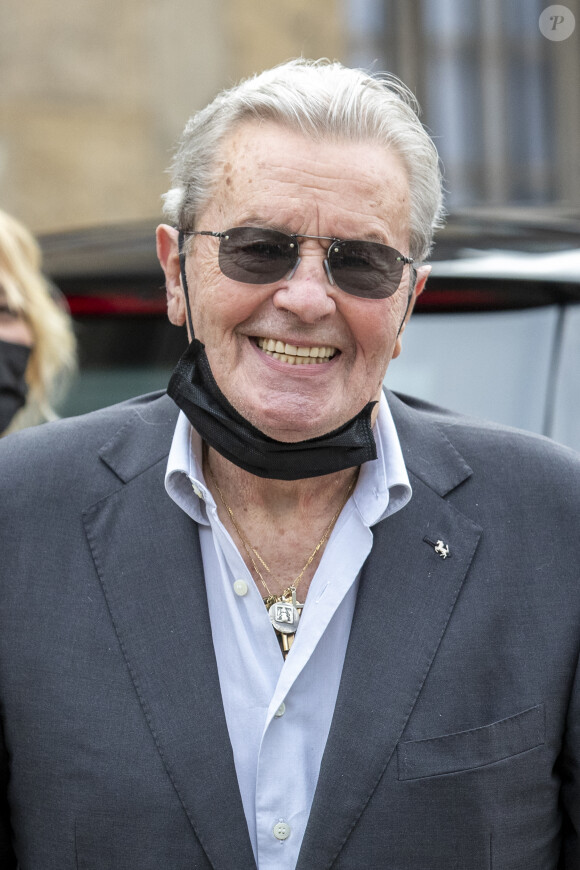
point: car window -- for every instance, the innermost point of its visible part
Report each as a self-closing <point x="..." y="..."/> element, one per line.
<point x="97" y="388"/>
<point x="121" y="357"/>
<point x="567" y="400"/>
<point x="493" y="365"/>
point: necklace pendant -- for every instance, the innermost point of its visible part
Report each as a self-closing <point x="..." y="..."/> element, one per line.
<point x="289" y="597"/>
<point x="294" y="601"/>
<point x="284" y="616"/>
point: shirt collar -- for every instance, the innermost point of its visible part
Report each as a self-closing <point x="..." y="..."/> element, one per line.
<point x="383" y="486"/>
<point x="382" y="489"/>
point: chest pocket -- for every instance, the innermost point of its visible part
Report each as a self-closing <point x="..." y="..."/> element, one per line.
<point x="466" y="750"/>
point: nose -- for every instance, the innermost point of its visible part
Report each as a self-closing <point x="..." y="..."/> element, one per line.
<point x="307" y="291"/>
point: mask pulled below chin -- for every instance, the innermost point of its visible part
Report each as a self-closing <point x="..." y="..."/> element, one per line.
<point x="194" y="390"/>
<point x="13" y="388"/>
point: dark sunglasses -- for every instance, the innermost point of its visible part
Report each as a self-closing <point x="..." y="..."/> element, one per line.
<point x="261" y="256"/>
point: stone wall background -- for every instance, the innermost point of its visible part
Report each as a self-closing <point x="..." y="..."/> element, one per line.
<point x="94" y="93"/>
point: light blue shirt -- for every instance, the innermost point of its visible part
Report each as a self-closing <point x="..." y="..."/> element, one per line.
<point x="279" y="712"/>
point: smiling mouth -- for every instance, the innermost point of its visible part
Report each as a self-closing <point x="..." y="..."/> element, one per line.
<point x="291" y="353"/>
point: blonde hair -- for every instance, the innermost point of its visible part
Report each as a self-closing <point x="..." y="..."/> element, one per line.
<point x="30" y="295"/>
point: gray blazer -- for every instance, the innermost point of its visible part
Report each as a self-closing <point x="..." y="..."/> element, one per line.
<point x="456" y="735"/>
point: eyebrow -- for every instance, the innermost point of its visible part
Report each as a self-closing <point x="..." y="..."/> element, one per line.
<point x="254" y="221"/>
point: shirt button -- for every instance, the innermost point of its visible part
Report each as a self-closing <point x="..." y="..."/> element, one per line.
<point x="241" y="587"/>
<point x="280" y="711"/>
<point x="281" y="830"/>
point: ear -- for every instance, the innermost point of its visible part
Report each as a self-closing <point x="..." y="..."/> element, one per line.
<point x="168" y="255"/>
<point x="422" y="275"/>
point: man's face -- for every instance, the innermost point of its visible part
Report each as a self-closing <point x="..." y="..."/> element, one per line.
<point x="272" y="177"/>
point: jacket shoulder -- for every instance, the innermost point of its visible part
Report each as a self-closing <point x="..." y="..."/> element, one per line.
<point x="501" y="454"/>
<point x="63" y="448"/>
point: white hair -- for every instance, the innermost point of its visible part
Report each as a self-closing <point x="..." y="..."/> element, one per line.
<point x="322" y="100"/>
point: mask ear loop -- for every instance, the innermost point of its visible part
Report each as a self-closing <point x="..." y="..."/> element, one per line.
<point x="411" y="291"/>
<point x="181" y="241"/>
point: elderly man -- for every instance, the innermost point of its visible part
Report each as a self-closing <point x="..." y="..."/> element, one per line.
<point x="295" y="623"/>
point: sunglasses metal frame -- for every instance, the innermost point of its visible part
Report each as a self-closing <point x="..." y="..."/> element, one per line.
<point x="296" y="236"/>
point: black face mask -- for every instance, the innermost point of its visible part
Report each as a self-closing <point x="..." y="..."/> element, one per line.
<point x="194" y="390"/>
<point x="13" y="387"/>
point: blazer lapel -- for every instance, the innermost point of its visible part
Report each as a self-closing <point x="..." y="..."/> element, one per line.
<point x="147" y="554"/>
<point x="406" y="595"/>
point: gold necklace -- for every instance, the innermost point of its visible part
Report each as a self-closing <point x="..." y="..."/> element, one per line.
<point x="284" y="609"/>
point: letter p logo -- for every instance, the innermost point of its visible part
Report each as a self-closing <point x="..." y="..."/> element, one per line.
<point x="557" y="23"/>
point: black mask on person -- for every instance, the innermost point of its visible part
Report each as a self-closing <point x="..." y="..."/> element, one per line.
<point x="194" y="390"/>
<point x="13" y="387"/>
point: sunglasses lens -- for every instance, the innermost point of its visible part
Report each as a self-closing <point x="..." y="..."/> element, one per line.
<point x="366" y="269"/>
<point x="256" y="256"/>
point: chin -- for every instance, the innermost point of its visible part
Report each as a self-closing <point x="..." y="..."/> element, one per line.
<point x="293" y="429"/>
<point x="292" y="417"/>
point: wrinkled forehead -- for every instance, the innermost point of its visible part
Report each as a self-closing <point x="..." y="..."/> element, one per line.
<point x="268" y="165"/>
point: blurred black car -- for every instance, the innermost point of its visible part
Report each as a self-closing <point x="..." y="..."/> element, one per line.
<point x="114" y="287"/>
<point x="496" y="333"/>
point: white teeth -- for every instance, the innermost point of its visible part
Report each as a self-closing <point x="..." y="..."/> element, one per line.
<point x="294" y="355"/>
